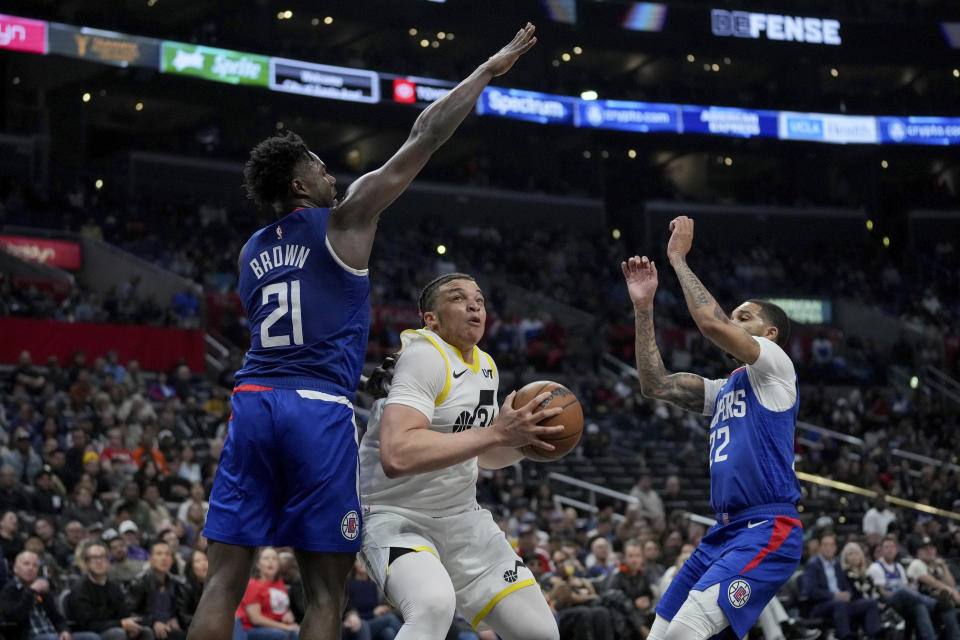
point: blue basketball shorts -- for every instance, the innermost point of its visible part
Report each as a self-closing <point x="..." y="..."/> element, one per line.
<point x="289" y="472"/>
<point x="750" y="558"/>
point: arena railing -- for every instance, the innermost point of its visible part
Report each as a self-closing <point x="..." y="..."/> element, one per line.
<point x="939" y="381"/>
<point x="594" y="489"/>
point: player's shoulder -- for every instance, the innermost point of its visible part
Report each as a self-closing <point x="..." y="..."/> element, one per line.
<point x="772" y="356"/>
<point x="487" y="360"/>
<point x="421" y="344"/>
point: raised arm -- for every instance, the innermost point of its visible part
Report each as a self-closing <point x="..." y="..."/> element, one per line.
<point x="709" y="316"/>
<point x="686" y="390"/>
<point x="354" y="221"/>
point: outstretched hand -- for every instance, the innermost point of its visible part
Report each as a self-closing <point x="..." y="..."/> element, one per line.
<point x="681" y="237"/>
<point x="641" y="276"/>
<point x="501" y="62"/>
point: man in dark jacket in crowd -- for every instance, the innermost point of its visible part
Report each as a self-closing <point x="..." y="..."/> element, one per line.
<point x="28" y="603"/>
<point x="826" y="587"/>
<point x="159" y="598"/>
<point x="97" y="604"/>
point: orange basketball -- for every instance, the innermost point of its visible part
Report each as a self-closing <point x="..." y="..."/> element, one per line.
<point x="571" y="419"/>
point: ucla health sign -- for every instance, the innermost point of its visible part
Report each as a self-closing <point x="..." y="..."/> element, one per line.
<point x="919" y="130"/>
<point x="826" y="127"/>
<point x="527" y="105"/>
<point x="773" y="26"/>
<point x="627" y="116"/>
<point x="218" y="65"/>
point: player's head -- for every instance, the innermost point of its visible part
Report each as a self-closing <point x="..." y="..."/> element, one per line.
<point x="453" y="306"/>
<point x="282" y="173"/>
<point x="764" y="320"/>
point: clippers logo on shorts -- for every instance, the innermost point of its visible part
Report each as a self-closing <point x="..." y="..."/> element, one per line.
<point x="738" y="593"/>
<point x="350" y="525"/>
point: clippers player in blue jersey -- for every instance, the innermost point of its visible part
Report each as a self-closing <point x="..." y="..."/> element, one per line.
<point x="755" y="546"/>
<point x="288" y="474"/>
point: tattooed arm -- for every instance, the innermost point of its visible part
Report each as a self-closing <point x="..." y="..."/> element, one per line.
<point x="685" y="390"/>
<point x="709" y="316"/>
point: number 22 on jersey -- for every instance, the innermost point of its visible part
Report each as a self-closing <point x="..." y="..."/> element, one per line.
<point x="719" y="439"/>
<point x="288" y="300"/>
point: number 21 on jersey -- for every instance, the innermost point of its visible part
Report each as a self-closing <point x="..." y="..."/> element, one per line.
<point x="288" y="300"/>
<point x="719" y="439"/>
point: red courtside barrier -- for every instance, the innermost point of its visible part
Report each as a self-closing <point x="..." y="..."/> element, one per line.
<point x="156" y="349"/>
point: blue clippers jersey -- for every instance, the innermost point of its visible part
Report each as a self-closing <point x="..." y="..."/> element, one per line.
<point x="309" y="313"/>
<point x="751" y="450"/>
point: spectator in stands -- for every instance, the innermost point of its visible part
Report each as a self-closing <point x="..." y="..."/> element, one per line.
<point x="527" y="543"/>
<point x="29" y="605"/>
<point x="265" y="609"/>
<point x="137" y="509"/>
<point x="123" y="568"/>
<point x="83" y="507"/>
<point x="891" y="579"/>
<point x="672" y="500"/>
<point x="650" y="505"/>
<point x="73" y="535"/>
<point x="195" y="576"/>
<point x="601" y="561"/>
<point x="877" y="519"/>
<point x="290" y="574"/>
<point x="11" y="541"/>
<point x="115" y="452"/>
<point x="22" y="458"/>
<point x="46" y="500"/>
<point x="131" y="535"/>
<point x="671" y="571"/>
<point x="44" y="529"/>
<point x="47" y="564"/>
<point x="12" y="495"/>
<point x="97" y="603"/>
<point x="579" y="612"/>
<point x="148" y="450"/>
<point x="188" y="468"/>
<point x="632" y="582"/>
<point x="26" y="374"/>
<point x="651" y="561"/>
<point x="826" y="587"/>
<point x="853" y="561"/>
<point x="180" y="553"/>
<point x="198" y="495"/>
<point x="935" y="580"/>
<point x="158" y="598"/>
<point x="364" y="597"/>
<point x="156" y="508"/>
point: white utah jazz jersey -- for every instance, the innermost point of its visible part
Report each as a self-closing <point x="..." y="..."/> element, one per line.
<point x="432" y="377"/>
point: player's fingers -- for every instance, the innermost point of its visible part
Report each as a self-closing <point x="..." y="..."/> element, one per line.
<point x="544" y="429"/>
<point x="540" y="416"/>
<point x="625" y="269"/>
<point x="508" y="401"/>
<point x="540" y="444"/>
<point x="653" y="267"/>
<point x="537" y="400"/>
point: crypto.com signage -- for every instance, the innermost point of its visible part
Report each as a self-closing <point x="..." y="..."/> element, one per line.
<point x="772" y="26"/>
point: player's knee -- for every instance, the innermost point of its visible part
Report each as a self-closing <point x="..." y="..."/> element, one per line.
<point x="434" y="606"/>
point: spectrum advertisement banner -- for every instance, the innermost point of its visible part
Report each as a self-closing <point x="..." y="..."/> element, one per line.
<point x="624" y="115"/>
<point x="23" y="34"/>
<point x="532" y="106"/>
<point x="218" y="65"/>
<point x="108" y="47"/>
<point x="919" y="130"/>
<point x="729" y="121"/>
<point x="825" y="127"/>
<point x="324" y="81"/>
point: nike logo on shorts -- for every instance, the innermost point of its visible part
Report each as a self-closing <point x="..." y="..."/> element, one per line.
<point x="751" y="525"/>
<point x="457" y="374"/>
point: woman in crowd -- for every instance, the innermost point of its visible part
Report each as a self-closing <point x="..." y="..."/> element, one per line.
<point x="265" y="609"/>
<point x="196" y="579"/>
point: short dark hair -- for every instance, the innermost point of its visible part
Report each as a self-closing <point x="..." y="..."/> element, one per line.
<point x="826" y="533"/>
<point x="271" y="167"/>
<point x="428" y="297"/>
<point x="777" y="317"/>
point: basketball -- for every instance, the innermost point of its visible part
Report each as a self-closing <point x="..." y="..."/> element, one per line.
<point x="571" y="419"/>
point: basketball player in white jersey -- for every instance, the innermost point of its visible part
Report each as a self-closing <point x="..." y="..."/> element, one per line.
<point x="427" y="542"/>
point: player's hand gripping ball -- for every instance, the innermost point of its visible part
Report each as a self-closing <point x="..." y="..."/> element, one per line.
<point x="571" y="418"/>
